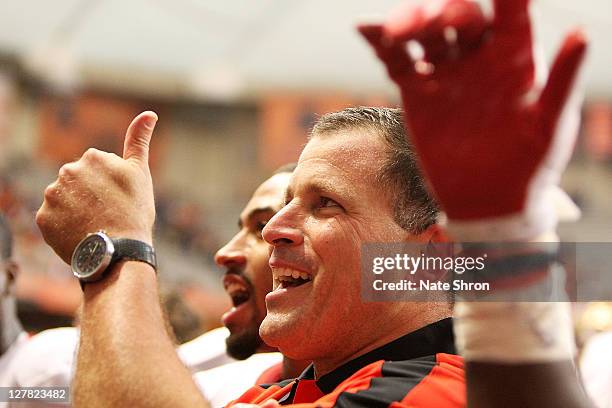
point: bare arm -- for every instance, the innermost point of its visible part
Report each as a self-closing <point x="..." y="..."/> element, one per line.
<point x="530" y="364"/>
<point x="126" y="357"/>
<point x="524" y="385"/>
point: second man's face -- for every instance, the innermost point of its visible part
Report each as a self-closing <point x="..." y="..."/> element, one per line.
<point x="248" y="277"/>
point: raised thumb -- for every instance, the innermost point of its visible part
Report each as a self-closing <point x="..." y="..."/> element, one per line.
<point x="138" y="137"/>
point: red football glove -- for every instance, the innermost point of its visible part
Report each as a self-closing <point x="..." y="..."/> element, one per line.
<point x="491" y="141"/>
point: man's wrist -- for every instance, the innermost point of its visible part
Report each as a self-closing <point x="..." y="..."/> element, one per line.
<point x="137" y="235"/>
<point x="98" y="252"/>
<point x="538" y="220"/>
<point x="125" y="272"/>
<point x="522" y="227"/>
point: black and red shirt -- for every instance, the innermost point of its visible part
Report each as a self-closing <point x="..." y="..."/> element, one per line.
<point x="417" y="370"/>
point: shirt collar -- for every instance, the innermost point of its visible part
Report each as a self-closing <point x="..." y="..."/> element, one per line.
<point x="426" y="341"/>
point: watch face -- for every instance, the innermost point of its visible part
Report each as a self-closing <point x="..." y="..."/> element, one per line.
<point x="92" y="256"/>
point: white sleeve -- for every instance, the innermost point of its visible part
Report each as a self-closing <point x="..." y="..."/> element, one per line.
<point x="206" y="351"/>
<point x="596" y="369"/>
<point x="223" y="384"/>
<point x="46" y="360"/>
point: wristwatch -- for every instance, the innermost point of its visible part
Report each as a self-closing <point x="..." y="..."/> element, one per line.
<point x="97" y="252"/>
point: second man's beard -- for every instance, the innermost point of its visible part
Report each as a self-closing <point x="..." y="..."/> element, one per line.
<point x="244" y="344"/>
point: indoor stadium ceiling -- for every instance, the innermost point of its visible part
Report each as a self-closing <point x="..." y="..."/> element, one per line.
<point x="244" y="46"/>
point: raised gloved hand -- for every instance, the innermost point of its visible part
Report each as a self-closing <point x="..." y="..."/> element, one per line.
<point x="490" y="139"/>
<point x="102" y="191"/>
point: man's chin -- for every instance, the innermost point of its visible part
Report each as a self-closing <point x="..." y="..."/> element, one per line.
<point x="244" y="344"/>
<point x="277" y="330"/>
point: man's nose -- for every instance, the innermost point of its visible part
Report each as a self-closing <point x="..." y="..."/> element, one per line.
<point x="232" y="254"/>
<point x="285" y="227"/>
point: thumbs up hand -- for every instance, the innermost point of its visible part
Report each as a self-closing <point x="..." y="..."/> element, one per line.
<point x="102" y="191"/>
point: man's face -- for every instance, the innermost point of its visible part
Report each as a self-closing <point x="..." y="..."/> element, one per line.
<point x="333" y="205"/>
<point x="248" y="277"/>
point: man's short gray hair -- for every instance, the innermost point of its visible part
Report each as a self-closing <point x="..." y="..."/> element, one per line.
<point x="414" y="209"/>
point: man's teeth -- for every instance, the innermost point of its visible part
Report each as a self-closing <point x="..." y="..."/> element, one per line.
<point x="288" y="275"/>
<point x="286" y="279"/>
<point x="281" y="273"/>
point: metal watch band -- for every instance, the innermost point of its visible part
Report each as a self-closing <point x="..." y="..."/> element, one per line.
<point x="133" y="250"/>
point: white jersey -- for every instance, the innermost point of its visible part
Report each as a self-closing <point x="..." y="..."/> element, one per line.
<point x="48" y="360"/>
<point x="206" y="351"/>
<point x="43" y="360"/>
<point x="7" y="360"/>
<point x="220" y="377"/>
<point x="223" y="384"/>
<point x="596" y="369"/>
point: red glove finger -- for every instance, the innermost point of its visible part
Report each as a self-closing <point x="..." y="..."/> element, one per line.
<point x="463" y="20"/>
<point x="406" y="22"/>
<point x="411" y="22"/>
<point x="561" y="79"/>
<point x="399" y="64"/>
<point x="430" y="26"/>
<point x="510" y="15"/>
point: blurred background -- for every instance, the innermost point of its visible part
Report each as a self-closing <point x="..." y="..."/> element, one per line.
<point x="237" y="85"/>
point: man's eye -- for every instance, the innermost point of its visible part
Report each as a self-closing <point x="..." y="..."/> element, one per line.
<point x="259" y="228"/>
<point x="325" y="202"/>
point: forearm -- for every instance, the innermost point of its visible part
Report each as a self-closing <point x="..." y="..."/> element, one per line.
<point x="525" y="342"/>
<point x="501" y="385"/>
<point x="511" y="370"/>
<point x="125" y="356"/>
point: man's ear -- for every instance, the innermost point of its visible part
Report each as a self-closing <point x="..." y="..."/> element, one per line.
<point x="11" y="270"/>
<point x="435" y="233"/>
<point x="439" y="245"/>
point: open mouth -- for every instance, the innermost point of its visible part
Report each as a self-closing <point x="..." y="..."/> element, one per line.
<point x="289" y="278"/>
<point x="237" y="289"/>
<point x="239" y="297"/>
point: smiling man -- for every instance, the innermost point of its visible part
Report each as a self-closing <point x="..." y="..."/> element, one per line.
<point x="356" y="182"/>
<point x="345" y="192"/>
